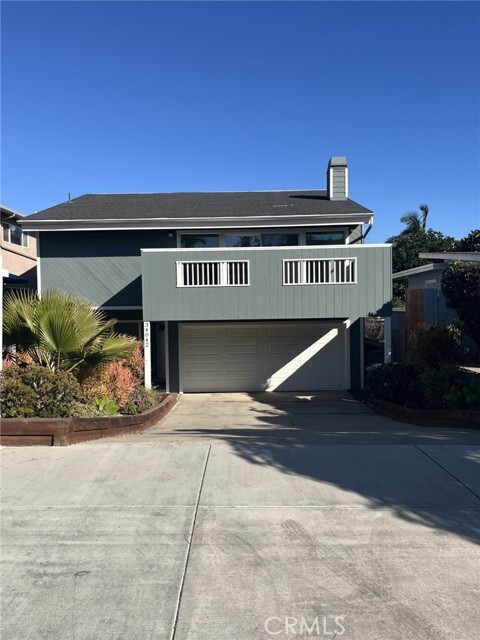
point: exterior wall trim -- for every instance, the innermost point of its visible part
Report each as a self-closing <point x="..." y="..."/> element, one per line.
<point x="126" y="308"/>
<point x="294" y="248"/>
<point x="39" y="278"/>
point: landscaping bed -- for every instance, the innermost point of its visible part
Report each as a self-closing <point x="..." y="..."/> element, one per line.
<point x="462" y="418"/>
<point x="65" y="431"/>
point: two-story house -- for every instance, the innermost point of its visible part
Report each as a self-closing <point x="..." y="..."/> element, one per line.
<point x="18" y="252"/>
<point x="234" y="291"/>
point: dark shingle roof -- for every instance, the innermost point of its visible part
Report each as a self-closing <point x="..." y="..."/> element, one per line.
<point x="127" y="206"/>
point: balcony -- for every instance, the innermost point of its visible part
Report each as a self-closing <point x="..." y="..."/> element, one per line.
<point x="266" y="283"/>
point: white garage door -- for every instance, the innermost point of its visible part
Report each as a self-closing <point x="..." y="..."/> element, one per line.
<point x="263" y="357"/>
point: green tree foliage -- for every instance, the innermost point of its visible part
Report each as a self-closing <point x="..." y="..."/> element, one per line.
<point x="470" y="242"/>
<point x="461" y="287"/>
<point x="414" y="239"/>
<point x="432" y="346"/>
<point x="61" y="332"/>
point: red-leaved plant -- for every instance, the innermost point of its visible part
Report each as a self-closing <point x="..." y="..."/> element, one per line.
<point x="114" y="380"/>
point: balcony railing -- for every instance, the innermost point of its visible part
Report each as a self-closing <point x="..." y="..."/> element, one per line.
<point x="214" y="273"/>
<point x="331" y="271"/>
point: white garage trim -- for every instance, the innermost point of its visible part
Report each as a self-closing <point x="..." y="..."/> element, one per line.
<point x="270" y="356"/>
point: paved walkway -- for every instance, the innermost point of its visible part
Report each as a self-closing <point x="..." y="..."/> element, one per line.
<point x="211" y="534"/>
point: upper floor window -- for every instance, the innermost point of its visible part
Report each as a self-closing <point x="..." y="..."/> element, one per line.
<point x="247" y="240"/>
<point x="279" y="239"/>
<point x="238" y="240"/>
<point x="200" y="240"/>
<point x="14" y="235"/>
<point x="255" y="238"/>
<point x="325" y="237"/>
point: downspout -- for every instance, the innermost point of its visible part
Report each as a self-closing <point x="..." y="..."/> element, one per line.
<point x="369" y="228"/>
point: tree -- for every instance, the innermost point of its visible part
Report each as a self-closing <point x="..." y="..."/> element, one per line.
<point x="461" y="287"/>
<point x="416" y="223"/>
<point x="470" y="242"/>
<point x="406" y="248"/>
<point x="415" y="239"/>
<point x="61" y="332"/>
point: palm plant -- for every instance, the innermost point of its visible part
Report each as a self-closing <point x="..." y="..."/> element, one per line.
<point x="61" y="331"/>
<point x="415" y="222"/>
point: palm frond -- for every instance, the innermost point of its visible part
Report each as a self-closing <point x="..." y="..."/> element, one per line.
<point x="413" y="222"/>
<point x="63" y="331"/>
<point x="18" y="318"/>
<point x="58" y="332"/>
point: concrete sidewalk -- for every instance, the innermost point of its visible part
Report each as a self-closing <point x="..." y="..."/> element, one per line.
<point x="242" y="540"/>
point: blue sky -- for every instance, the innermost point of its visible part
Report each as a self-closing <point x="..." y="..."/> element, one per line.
<point x="180" y="96"/>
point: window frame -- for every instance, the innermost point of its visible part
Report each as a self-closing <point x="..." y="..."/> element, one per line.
<point x="24" y="236"/>
<point x="301" y="232"/>
<point x="326" y="244"/>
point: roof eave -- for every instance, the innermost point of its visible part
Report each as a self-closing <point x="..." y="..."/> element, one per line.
<point x="11" y="213"/>
<point x="472" y="256"/>
<point x="211" y="222"/>
<point x="433" y="266"/>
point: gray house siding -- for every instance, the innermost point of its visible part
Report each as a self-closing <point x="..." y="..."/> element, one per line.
<point x="356" y="359"/>
<point x="435" y="306"/>
<point x="102" y="266"/>
<point x="338" y="183"/>
<point x="356" y="235"/>
<point x="173" y="360"/>
<point x="267" y="298"/>
<point x="427" y="280"/>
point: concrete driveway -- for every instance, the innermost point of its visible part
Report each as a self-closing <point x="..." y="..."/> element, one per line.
<point x="328" y="417"/>
<point x="200" y="529"/>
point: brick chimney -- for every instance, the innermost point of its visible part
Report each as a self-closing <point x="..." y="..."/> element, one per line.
<point x="337" y="178"/>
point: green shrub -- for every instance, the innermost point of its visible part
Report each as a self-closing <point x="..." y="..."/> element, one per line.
<point x="130" y="409"/>
<point x="85" y="410"/>
<point x="144" y="398"/>
<point x="434" y="345"/>
<point x="437" y="383"/>
<point x="35" y="391"/>
<point x="466" y="397"/>
<point x="390" y="382"/>
<point x="107" y="406"/>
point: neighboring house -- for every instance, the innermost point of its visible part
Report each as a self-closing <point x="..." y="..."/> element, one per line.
<point x="18" y="252"/>
<point x="234" y="291"/>
<point x="425" y="301"/>
<point x="428" y="277"/>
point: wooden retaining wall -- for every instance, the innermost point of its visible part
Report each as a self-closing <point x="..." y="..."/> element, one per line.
<point x="63" y="431"/>
<point x="448" y="418"/>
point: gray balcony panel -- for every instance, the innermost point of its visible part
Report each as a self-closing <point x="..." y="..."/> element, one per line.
<point x="267" y="298"/>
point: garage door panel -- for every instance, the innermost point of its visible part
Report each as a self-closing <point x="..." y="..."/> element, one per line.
<point x="285" y="331"/>
<point x="242" y="366"/>
<point x="283" y="357"/>
<point x="240" y="349"/>
<point x="203" y="332"/>
<point x="203" y="350"/>
<point x="204" y="366"/>
<point x="245" y="332"/>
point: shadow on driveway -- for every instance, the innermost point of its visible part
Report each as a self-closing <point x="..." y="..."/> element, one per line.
<point x="434" y="486"/>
